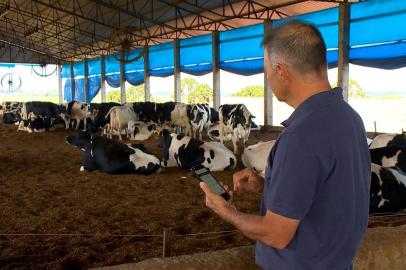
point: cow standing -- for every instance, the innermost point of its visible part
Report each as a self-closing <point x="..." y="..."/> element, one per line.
<point x="199" y="116"/>
<point x="77" y="111"/>
<point x="120" y="116"/>
<point x="235" y="119"/>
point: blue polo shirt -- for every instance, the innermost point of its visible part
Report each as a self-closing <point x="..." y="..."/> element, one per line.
<point x="319" y="172"/>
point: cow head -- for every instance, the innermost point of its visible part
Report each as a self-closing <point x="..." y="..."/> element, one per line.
<point x="81" y="139"/>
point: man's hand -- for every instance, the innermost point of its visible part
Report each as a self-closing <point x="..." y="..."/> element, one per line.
<point x="217" y="203"/>
<point x="247" y="180"/>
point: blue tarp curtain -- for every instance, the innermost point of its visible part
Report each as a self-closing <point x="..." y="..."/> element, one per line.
<point x="134" y="71"/>
<point x="377" y="33"/>
<point x="241" y="51"/>
<point x="377" y="39"/>
<point x="161" y="60"/>
<point x="196" y="55"/>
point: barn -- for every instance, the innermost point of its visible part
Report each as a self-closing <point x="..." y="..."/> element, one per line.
<point x="143" y="61"/>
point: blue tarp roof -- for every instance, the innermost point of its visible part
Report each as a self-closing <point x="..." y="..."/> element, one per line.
<point x="377" y="39"/>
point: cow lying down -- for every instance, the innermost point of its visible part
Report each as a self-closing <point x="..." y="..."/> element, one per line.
<point x="388" y="190"/>
<point x="113" y="157"/>
<point x="256" y="156"/>
<point x="186" y="152"/>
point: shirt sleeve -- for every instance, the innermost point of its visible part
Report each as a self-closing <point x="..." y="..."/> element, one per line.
<point x="295" y="178"/>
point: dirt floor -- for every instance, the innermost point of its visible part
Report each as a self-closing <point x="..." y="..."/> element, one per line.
<point x="43" y="192"/>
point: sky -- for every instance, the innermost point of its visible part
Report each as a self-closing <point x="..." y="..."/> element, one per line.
<point x="372" y="80"/>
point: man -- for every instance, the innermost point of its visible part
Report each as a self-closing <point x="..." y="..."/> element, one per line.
<point x="315" y="195"/>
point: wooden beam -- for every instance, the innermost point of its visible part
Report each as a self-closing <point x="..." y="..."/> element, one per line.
<point x="147" y="86"/>
<point x="216" y="69"/>
<point x="122" y="78"/>
<point x="343" y="48"/>
<point x="268" y="96"/>
<point x="72" y="82"/>
<point x="86" y="81"/>
<point x="176" y="71"/>
<point x="58" y="70"/>
<point x="102" y="79"/>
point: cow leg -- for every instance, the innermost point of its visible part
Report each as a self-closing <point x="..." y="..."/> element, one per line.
<point x="77" y="124"/>
<point x="201" y="133"/>
<point x="84" y="123"/>
<point x="235" y="139"/>
<point x="221" y="134"/>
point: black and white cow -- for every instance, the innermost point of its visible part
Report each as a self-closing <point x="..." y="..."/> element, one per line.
<point x="11" y="106"/>
<point x="147" y="111"/>
<point x="78" y="111"/>
<point x="45" y="109"/>
<point x="235" y="119"/>
<point x="199" y="116"/>
<point x="390" y="156"/>
<point x="113" y="157"/>
<point x="388" y="190"/>
<point x="256" y="156"/>
<point x="186" y="152"/>
<point x="384" y="140"/>
<point x="102" y="118"/>
<point x="35" y="124"/>
<point x="174" y="114"/>
<point x="11" y="118"/>
<point x="140" y="131"/>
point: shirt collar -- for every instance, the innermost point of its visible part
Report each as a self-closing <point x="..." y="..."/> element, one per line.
<point x="314" y="102"/>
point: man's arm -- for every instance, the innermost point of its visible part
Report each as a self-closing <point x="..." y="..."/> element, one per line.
<point x="272" y="229"/>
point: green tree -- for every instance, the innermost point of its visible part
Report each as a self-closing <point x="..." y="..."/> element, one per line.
<point x="113" y="95"/>
<point x="354" y="89"/>
<point x="135" y="93"/>
<point x="250" y="91"/>
<point x="202" y="93"/>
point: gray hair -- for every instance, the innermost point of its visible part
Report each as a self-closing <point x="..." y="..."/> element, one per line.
<point x="298" y="45"/>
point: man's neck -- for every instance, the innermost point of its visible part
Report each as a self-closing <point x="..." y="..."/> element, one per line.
<point x="306" y="90"/>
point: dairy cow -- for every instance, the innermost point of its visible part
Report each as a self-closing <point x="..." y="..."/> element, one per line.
<point x="35" y="124"/>
<point x="101" y="117"/>
<point x="256" y="156"/>
<point x="11" y="118"/>
<point x="113" y="157"/>
<point x="390" y="156"/>
<point x="199" y="116"/>
<point x="120" y="116"/>
<point x="186" y="152"/>
<point x="78" y="111"/>
<point x="384" y="140"/>
<point x="140" y="131"/>
<point x="235" y="119"/>
<point x="147" y="111"/>
<point x="388" y="190"/>
<point x="44" y="109"/>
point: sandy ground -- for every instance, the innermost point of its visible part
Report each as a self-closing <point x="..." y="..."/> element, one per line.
<point x="43" y="192"/>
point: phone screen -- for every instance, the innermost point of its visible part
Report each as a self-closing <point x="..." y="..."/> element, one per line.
<point x="205" y="175"/>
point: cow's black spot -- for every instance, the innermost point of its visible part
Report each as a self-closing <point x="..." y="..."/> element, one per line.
<point x="212" y="154"/>
<point x="180" y="136"/>
<point x="215" y="133"/>
<point x="191" y="154"/>
<point x="208" y="160"/>
<point x="231" y="164"/>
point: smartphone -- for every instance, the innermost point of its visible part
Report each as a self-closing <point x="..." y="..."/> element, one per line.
<point x="203" y="174"/>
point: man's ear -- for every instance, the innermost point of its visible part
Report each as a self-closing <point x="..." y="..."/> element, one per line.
<point x="282" y="71"/>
